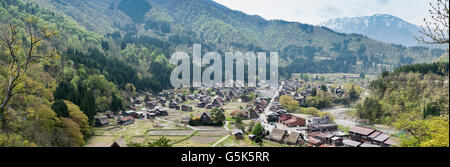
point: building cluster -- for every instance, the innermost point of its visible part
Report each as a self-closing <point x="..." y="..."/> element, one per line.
<point x="307" y="130"/>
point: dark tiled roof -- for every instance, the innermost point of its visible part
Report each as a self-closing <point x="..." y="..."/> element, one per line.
<point x="351" y="143"/>
<point x="393" y="141"/>
<point x="368" y="145"/>
<point x="374" y="134"/>
<point x="361" y="130"/>
<point x="382" y="137"/>
<point x="324" y="135"/>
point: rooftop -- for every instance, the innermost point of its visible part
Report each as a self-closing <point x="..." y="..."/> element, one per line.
<point x="361" y="130"/>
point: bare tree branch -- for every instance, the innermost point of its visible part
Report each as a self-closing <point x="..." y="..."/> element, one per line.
<point x="18" y="66"/>
<point x="436" y="30"/>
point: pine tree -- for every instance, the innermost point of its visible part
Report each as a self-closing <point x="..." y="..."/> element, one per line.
<point x="88" y="107"/>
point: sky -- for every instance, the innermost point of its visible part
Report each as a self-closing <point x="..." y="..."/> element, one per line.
<point x="316" y="11"/>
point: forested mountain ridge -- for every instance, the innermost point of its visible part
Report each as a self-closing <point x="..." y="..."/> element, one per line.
<point x="56" y="99"/>
<point x="180" y="23"/>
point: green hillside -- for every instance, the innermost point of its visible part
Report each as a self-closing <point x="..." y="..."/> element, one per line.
<point x="302" y="47"/>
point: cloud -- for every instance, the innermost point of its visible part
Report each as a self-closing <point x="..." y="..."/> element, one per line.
<point x="383" y="1"/>
<point x="329" y="11"/>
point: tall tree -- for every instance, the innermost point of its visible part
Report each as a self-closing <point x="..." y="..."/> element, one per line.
<point x="88" y="107"/>
<point x="116" y="104"/>
<point x="19" y="63"/>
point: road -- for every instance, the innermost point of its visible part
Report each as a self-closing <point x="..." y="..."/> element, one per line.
<point x="262" y="117"/>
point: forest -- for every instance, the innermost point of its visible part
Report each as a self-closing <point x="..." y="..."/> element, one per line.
<point x="56" y="98"/>
<point x="415" y="100"/>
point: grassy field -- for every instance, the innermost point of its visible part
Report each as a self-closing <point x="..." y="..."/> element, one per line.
<point x="144" y="131"/>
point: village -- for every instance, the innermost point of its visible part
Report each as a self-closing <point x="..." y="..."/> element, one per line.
<point x="225" y="117"/>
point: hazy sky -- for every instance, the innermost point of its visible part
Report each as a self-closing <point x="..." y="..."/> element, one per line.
<point x="316" y="11"/>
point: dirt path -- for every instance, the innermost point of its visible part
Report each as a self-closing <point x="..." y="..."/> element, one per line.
<point x="221" y="140"/>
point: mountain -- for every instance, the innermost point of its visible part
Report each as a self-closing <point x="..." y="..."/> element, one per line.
<point x="382" y="27"/>
<point x="169" y="25"/>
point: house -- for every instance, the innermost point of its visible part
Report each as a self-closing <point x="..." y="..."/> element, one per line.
<point x="205" y="116"/>
<point x="216" y="103"/>
<point x="253" y="114"/>
<point x="134" y="114"/>
<point x="380" y="139"/>
<point x="190" y="97"/>
<point x="162" y="100"/>
<point x="272" y="117"/>
<point x="139" y="115"/>
<point x="238" y="134"/>
<point x="161" y="111"/>
<point x="209" y="106"/>
<point x="119" y="143"/>
<point x="128" y="113"/>
<point x="125" y="120"/>
<point x="314" y="142"/>
<point x="374" y="135"/>
<point x="151" y="115"/>
<point x="109" y="114"/>
<point x="301" y="99"/>
<point x="277" y="135"/>
<point x="256" y="102"/>
<point x="174" y="106"/>
<point x="337" y="141"/>
<point x="392" y="141"/>
<point x="351" y="143"/>
<point x="151" y="104"/>
<point x="360" y="133"/>
<point x="102" y="121"/>
<point x="293" y="138"/>
<point x="259" y="109"/>
<point x="274" y="108"/>
<point x="294" y="122"/>
<point x="232" y="95"/>
<point x="245" y="99"/>
<point x="178" y="99"/>
<point x="135" y="107"/>
<point x="318" y="120"/>
<point x="324" y="127"/>
<point x="220" y="93"/>
<point x="185" y="107"/>
<point x="263" y="103"/>
<point x="201" y="104"/>
<point x="202" y="92"/>
<point x="157" y="112"/>
<point x="284" y="117"/>
<point x="139" y="100"/>
<point x="324" y="137"/>
<point x="367" y="144"/>
<point x="291" y="121"/>
<point x="251" y="137"/>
